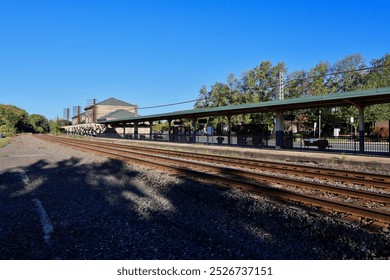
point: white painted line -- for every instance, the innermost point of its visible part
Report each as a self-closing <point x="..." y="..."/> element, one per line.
<point x="23" y="156"/>
<point x="47" y="226"/>
<point x="24" y="177"/>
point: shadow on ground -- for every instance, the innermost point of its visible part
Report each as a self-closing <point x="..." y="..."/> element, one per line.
<point x="109" y="211"/>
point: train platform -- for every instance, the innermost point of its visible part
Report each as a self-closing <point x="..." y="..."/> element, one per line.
<point x="337" y="160"/>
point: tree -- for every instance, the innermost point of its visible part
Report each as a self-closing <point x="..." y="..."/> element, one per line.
<point x="262" y="81"/>
<point x="55" y="126"/>
<point x="203" y="99"/>
<point x="380" y="75"/>
<point x="318" y="83"/>
<point x="297" y="84"/>
<point x="39" y="123"/>
<point x="348" y="78"/>
<point x="13" y="120"/>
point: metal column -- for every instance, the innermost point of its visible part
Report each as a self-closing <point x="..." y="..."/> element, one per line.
<point x="135" y="130"/>
<point x="169" y="130"/>
<point x="193" y="130"/>
<point x="229" y="118"/>
<point x="361" y="128"/>
<point x="279" y="128"/>
<point x="150" y="130"/>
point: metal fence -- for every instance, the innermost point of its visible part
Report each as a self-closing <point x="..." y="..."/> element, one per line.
<point x="349" y="144"/>
<point x="342" y="144"/>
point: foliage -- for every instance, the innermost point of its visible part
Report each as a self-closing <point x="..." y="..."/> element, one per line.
<point x="15" y="120"/>
<point x="260" y="84"/>
<point x="55" y="127"/>
<point x="4" y="142"/>
<point x="160" y="126"/>
<point x="39" y="123"/>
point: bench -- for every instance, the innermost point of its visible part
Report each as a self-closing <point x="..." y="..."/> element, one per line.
<point x="322" y="144"/>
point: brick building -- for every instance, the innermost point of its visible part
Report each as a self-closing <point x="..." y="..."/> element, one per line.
<point x="110" y="108"/>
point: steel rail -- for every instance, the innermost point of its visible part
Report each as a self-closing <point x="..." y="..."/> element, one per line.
<point x="382" y="198"/>
<point x="238" y="181"/>
<point x="378" y="181"/>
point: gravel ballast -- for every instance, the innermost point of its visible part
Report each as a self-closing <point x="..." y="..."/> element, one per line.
<point x="105" y="209"/>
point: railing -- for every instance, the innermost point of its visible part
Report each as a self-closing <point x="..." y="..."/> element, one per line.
<point x="342" y="144"/>
<point x="351" y="144"/>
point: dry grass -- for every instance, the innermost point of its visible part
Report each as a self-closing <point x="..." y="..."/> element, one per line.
<point x="4" y="142"/>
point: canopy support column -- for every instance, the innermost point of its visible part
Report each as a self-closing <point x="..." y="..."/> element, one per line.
<point x="135" y="130"/>
<point x="169" y="130"/>
<point x="279" y="129"/>
<point x="229" y="118"/>
<point x="193" y="131"/>
<point x="150" y="130"/>
<point x="361" y="128"/>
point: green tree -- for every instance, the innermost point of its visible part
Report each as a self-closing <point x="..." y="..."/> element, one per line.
<point x="297" y="84"/>
<point x="13" y="120"/>
<point x="55" y="127"/>
<point x="318" y="82"/>
<point x="203" y="99"/>
<point x="262" y="81"/>
<point x="349" y="78"/>
<point x="380" y="75"/>
<point x="39" y="123"/>
<point x="377" y="78"/>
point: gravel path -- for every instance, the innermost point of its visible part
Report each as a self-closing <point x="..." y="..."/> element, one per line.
<point x="105" y="209"/>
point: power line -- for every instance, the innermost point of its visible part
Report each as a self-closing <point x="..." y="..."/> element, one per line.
<point x="171" y="104"/>
<point x="284" y="83"/>
<point x="334" y="73"/>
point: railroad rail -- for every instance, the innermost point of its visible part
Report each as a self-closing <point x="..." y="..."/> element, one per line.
<point x="343" y="176"/>
<point x="197" y="169"/>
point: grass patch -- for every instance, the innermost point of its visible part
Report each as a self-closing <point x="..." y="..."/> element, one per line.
<point x="4" y="142"/>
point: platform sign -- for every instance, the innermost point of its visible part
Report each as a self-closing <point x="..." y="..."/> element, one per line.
<point x="210" y="130"/>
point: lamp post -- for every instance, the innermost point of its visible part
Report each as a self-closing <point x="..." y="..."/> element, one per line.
<point x="319" y="123"/>
<point x="352" y="120"/>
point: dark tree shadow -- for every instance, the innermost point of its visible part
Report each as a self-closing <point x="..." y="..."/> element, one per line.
<point x="109" y="211"/>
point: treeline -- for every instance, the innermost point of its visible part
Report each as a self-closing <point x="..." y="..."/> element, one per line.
<point x="15" y="120"/>
<point x="261" y="84"/>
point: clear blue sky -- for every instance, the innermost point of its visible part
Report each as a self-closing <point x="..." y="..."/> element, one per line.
<point x="57" y="54"/>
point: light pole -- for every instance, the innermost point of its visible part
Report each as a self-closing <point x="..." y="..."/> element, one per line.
<point x="319" y="123"/>
<point x="352" y="125"/>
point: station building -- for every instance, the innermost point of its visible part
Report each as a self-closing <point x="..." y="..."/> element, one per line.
<point x="87" y="122"/>
<point x="105" y="110"/>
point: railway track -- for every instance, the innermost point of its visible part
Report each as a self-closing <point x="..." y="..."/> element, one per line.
<point x="223" y="170"/>
<point x="331" y="175"/>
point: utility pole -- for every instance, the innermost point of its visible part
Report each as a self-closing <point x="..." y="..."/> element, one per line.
<point x="66" y="115"/>
<point x="280" y="86"/>
<point x="91" y="105"/>
<point x="94" y="111"/>
<point x="77" y="112"/>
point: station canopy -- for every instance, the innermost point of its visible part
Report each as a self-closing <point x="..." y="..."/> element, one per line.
<point x="356" y="98"/>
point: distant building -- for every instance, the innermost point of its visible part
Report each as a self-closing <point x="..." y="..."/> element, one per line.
<point x="385" y="124"/>
<point x="110" y="108"/>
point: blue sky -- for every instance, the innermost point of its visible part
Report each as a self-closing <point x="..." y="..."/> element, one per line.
<point x="57" y="54"/>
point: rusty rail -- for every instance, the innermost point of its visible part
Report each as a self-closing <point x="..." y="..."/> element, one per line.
<point x="243" y="179"/>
